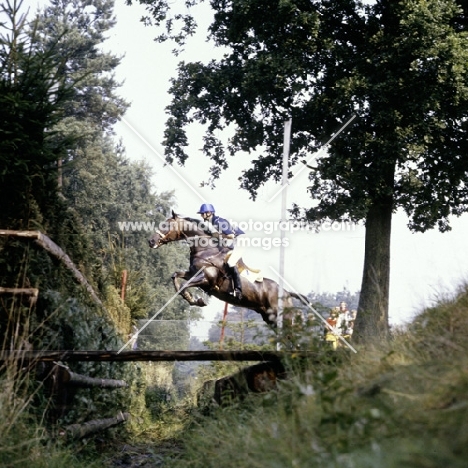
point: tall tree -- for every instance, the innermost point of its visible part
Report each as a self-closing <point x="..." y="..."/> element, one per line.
<point x="32" y="94"/>
<point x="399" y="66"/>
<point x="77" y="30"/>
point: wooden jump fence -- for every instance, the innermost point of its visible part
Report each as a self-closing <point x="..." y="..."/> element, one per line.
<point x="161" y="356"/>
<point x="61" y="383"/>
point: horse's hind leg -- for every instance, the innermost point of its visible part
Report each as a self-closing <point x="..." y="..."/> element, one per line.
<point x="269" y="317"/>
<point x="177" y="278"/>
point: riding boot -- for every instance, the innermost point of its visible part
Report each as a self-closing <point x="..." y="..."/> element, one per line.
<point x="237" y="282"/>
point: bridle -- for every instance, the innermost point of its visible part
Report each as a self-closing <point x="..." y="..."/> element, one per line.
<point x="166" y="238"/>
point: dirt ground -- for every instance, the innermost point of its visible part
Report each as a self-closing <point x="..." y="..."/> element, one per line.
<point x="148" y="455"/>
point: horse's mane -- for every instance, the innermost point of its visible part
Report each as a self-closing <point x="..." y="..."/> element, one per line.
<point x="197" y="221"/>
<point x="193" y="220"/>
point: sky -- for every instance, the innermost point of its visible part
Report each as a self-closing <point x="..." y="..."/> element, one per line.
<point x="424" y="267"/>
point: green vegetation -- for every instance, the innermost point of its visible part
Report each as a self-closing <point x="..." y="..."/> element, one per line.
<point x="400" y="402"/>
<point x="397" y="403"/>
<point x="62" y="173"/>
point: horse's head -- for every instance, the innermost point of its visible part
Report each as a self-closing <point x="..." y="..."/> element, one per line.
<point x="157" y="239"/>
<point x="168" y="232"/>
<point x="174" y="229"/>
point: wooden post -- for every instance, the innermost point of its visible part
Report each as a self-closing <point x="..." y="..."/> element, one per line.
<point x="71" y="378"/>
<point x="123" y="285"/>
<point x="223" y="326"/>
<point x="285" y="177"/>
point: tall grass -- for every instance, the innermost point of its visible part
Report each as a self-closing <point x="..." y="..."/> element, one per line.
<point x="399" y="403"/>
<point x="24" y="440"/>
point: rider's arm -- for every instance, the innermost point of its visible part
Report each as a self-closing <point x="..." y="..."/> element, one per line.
<point x="224" y="227"/>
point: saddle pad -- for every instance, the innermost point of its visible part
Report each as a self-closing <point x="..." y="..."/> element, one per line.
<point x="252" y="276"/>
<point x="245" y="271"/>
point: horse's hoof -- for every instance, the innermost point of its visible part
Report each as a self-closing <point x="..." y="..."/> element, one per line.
<point x="200" y="302"/>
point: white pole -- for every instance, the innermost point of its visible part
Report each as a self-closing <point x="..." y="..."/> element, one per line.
<point x="284" y="183"/>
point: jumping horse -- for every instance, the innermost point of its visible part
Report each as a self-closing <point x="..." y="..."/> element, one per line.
<point x="208" y="272"/>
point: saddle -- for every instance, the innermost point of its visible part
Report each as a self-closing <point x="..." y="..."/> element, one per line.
<point x="250" y="274"/>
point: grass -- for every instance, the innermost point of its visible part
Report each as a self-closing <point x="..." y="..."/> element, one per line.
<point x="398" y="403"/>
<point x="24" y="440"/>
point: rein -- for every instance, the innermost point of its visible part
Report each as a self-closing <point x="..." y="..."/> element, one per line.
<point x="180" y="234"/>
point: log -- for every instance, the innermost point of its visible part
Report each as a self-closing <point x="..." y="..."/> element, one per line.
<point x="25" y="291"/>
<point x="78" y="431"/>
<point x="32" y="293"/>
<point x="25" y="234"/>
<point x="116" y="356"/>
<point x="78" y="380"/>
<point x="259" y="378"/>
<point x="53" y="249"/>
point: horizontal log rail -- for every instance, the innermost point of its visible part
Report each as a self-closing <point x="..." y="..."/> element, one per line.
<point x="115" y="356"/>
<point x="20" y="291"/>
<point x="30" y="293"/>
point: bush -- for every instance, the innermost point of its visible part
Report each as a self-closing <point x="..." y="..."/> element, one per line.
<point x="396" y="403"/>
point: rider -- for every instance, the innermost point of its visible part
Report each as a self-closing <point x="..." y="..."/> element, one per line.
<point x="223" y="226"/>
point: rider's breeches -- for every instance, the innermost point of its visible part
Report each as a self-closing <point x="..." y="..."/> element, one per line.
<point x="235" y="255"/>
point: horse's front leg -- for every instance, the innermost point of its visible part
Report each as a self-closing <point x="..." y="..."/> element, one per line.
<point x="177" y="278"/>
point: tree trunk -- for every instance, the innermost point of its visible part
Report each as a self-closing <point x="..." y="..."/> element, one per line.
<point x="372" y="316"/>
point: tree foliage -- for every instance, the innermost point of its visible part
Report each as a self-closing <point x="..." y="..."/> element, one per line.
<point x="32" y="93"/>
<point x="76" y="29"/>
<point x="400" y="67"/>
<point x="62" y="173"/>
<point x="96" y="177"/>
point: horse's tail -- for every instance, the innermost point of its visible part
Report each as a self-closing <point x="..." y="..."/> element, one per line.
<point x="301" y="297"/>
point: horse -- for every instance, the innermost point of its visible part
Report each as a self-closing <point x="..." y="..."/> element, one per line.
<point x="208" y="271"/>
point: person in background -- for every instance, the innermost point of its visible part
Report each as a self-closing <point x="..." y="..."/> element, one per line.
<point x="351" y="318"/>
<point x="133" y="337"/>
<point x="330" y="328"/>
<point x="342" y="320"/>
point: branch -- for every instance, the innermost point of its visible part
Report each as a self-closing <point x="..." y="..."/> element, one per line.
<point x="53" y="249"/>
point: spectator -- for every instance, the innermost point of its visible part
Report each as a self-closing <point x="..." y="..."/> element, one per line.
<point x="133" y="338"/>
<point x="330" y="329"/>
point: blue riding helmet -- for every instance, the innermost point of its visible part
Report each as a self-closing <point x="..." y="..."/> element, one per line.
<point x="206" y="208"/>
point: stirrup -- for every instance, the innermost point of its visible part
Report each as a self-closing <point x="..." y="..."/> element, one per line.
<point x="237" y="293"/>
